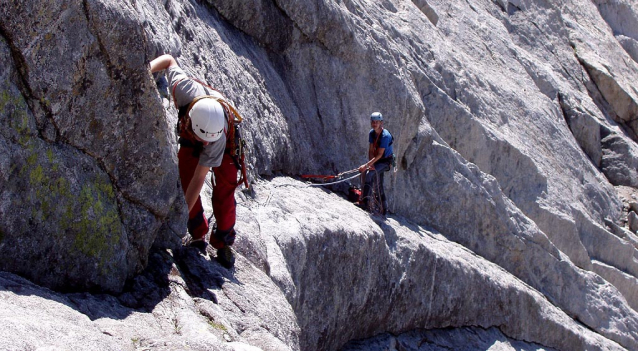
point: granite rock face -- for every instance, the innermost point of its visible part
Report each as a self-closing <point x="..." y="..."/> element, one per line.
<point x="314" y="273"/>
<point x="88" y="172"/>
<point x="514" y="125"/>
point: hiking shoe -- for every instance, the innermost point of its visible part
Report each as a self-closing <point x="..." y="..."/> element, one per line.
<point x="200" y="245"/>
<point x="226" y="257"/>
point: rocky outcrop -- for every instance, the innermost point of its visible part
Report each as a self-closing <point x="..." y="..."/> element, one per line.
<point x="312" y="265"/>
<point x="166" y="311"/>
<point x="88" y="171"/>
<point x="514" y="127"/>
<point x="470" y="338"/>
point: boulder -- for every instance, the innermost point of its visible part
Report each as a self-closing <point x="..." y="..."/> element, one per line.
<point x="88" y="172"/>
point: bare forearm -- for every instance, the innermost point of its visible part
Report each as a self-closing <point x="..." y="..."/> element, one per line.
<point x="162" y="62"/>
<point x="195" y="186"/>
<point x="372" y="160"/>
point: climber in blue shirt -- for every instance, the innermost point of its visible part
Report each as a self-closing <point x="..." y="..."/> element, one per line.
<point x="380" y="157"/>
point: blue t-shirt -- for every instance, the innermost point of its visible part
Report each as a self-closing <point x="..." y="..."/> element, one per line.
<point x="385" y="141"/>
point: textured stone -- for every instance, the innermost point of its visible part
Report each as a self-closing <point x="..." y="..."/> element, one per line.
<point x="620" y="159"/>
<point x="632" y="221"/>
<point x="462" y="339"/>
<point x="512" y="126"/>
<point x="181" y="302"/>
<point x="401" y="282"/>
<point x="90" y="175"/>
<point x="336" y="274"/>
<point x="630" y="45"/>
<point x="513" y="121"/>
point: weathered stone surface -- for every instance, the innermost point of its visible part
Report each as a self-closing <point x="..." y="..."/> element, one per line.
<point x="261" y="19"/>
<point x="58" y="206"/>
<point x="626" y="283"/>
<point x="401" y="280"/>
<point x="37" y="318"/>
<point x="511" y="126"/>
<point x="180" y="302"/>
<point x="465" y="339"/>
<point x="630" y="45"/>
<point x="89" y="174"/>
<point x="632" y="221"/>
<point x="513" y="120"/>
<point x="336" y="274"/>
<point x="620" y="15"/>
<point x="609" y="66"/>
<point x="620" y="159"/>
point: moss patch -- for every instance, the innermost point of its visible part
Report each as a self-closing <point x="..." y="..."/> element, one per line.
<point x="14" y="107"/>
<point x="67" y="198"/>
<point x="217" y="326"/>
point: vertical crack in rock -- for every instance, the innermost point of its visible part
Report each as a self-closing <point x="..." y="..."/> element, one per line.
<point x="33" y="102"/>
<point x="100" y="160"/>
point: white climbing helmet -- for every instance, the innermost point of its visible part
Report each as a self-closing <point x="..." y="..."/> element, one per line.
<point x="376" y="116"/>
<point x="207" y="119"/>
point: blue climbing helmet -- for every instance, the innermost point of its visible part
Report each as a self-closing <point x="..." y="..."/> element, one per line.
<point x="376" y="116"/>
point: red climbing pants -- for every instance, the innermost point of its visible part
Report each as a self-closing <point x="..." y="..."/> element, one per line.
<point x="224" y="205"/>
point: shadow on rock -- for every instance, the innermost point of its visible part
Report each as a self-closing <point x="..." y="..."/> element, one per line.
<point x="199" y="274"/>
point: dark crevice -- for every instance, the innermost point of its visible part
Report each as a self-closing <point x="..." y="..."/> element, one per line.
<point x="565" y="111"/>
<point x="604" y="106"/>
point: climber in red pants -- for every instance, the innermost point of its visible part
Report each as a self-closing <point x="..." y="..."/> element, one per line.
<point x="203" y="126"/>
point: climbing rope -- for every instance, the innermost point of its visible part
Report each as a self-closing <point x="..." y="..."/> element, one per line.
<point x="336" y="182"/>
<point x="338" y="176"/>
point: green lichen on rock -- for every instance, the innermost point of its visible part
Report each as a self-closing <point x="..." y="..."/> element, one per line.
<point x="85" y="215"/>
<point x="36" y="175"/>
<point x="97" y="225"/>
<point x="16" y="113"/>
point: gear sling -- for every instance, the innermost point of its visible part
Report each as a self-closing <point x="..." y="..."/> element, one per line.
<point x="225" y="176"/>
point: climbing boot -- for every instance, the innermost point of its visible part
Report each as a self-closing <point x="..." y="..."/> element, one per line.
<point x="226" y="257"/>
